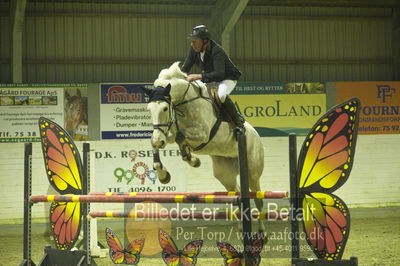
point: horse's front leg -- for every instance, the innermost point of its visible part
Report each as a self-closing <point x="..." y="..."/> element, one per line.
<point x="187" y="156"/>
<point x="162" y="173"/>
<point x="185" y="151"/>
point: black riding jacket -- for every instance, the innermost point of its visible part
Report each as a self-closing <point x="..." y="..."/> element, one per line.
<point x="217" y="66"/>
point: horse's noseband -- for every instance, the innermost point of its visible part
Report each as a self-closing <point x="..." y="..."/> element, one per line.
<point x="171" y="118"/>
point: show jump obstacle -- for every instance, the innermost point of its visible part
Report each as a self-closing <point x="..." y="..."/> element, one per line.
<point x="324" y="165"/>
<point x="236" y="216"/>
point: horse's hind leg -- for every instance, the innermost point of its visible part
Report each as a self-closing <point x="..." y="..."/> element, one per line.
<point x="255" y="155"/>
<point x="226" y="171"/>
<point x="255" y="186"/>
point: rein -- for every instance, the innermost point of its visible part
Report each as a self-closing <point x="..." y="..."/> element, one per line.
<point x="193" y="99"/>
<point x="215" y="127"/>
<point x="173" y="119"/>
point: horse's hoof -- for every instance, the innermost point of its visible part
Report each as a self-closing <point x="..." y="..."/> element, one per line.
<point x="157" y="166"/>
<point x="196" y="163"/>
<point x="166" y="179"/>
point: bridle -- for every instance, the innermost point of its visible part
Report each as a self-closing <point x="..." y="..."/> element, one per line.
<point x="173" y="111"/>
<point x="171" y="119"/>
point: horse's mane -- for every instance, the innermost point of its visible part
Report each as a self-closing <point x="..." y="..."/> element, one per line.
<point x="178" y="80"/>
<point x="174" y="71"/>
<point x="172" y="75"/>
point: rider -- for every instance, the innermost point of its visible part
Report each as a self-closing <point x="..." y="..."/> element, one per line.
<point x="216" y="66"/>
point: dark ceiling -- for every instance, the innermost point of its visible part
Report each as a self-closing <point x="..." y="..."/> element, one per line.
<point x="330" y="3"/>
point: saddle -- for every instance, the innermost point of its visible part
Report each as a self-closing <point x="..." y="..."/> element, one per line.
<point x="220" y="112"/>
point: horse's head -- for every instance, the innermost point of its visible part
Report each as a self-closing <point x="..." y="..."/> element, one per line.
<point x="75" y="110"/>
<point x="162" y="115"/>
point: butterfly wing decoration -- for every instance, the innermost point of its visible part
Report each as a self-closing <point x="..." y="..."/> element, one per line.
<point x="257" y="244"/>
<point x="325" y="162"/>
<point x="234" y="258"/>
<point x="119" y="255"/>
<point x="170" y="252"/>
<point x="172" y="256"/>
<point x="63" y="167"/>
<point x="62" y="160"/>
<point x="65" y="220"/>
<point x="231" y="256"/>
<point x="189" y="253"/>
<point x="132" y="252"/>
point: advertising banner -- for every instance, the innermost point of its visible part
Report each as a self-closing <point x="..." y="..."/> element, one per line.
<point x="380" y="105"/>
<point x="76" y="112"/>
<point x="123" y="111"/>
<point x="278" y="109"/>
<point x="131" y="169"/>
<point x="21" y="105"/>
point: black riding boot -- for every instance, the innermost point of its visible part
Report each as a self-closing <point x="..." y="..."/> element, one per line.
<point x="230" y="108"/>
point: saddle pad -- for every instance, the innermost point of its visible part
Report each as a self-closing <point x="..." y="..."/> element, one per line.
<point x="218" y="106"/>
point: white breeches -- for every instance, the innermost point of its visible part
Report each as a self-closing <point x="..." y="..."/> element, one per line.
<point x="225" y="87"/>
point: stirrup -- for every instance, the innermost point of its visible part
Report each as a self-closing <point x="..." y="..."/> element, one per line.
<point x="238" y="130"/>
<point x="238" y="124"/>
<point x="239" y="121"/>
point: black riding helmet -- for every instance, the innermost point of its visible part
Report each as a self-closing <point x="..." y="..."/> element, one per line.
<point x="200" y="32"/>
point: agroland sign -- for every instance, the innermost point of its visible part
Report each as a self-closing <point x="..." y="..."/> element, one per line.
<point x="281" y="114"/>
<point x="282" y="110"/>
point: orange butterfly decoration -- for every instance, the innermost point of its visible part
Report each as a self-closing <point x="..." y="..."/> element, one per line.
<point x="232" y="257"/>
<point x="325" y="162"/>
<point x="173" y="256"/>
<point x="64" y="171"/>
<point x="119" y="254"/>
